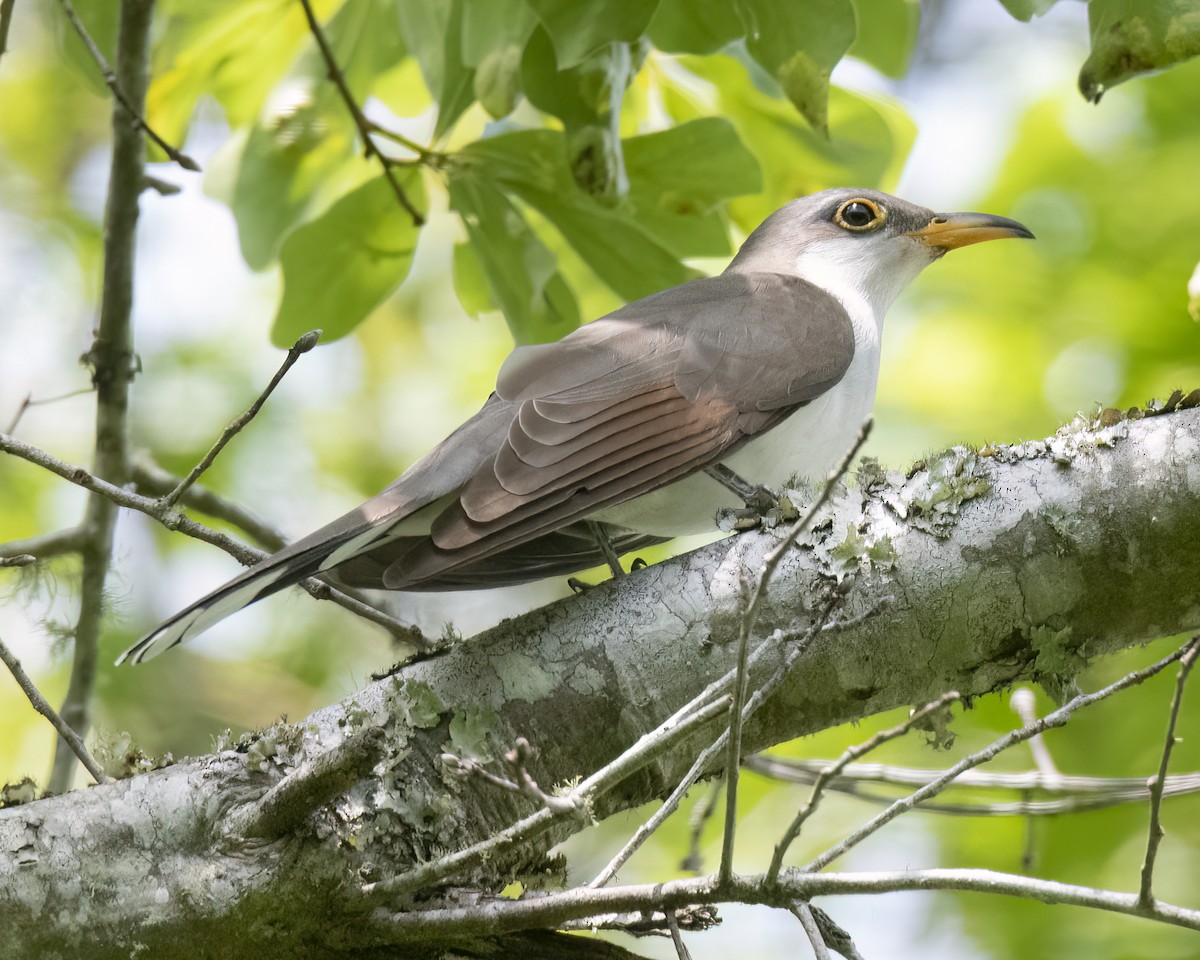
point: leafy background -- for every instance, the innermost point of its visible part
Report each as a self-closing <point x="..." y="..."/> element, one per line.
<point x="571" y="157"/>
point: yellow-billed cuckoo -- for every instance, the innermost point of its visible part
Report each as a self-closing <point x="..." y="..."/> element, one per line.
<point x="628" y="428"/>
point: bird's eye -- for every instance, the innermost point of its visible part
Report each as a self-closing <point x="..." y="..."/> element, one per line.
<point x="859" y="215"/>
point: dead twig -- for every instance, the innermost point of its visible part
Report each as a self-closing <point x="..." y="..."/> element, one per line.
<point x="1155" y="833"/>
<point x="297" y="350"/>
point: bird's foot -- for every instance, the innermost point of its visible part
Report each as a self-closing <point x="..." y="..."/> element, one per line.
<point x="770" y="514"/>
<point x="579" y="586"/>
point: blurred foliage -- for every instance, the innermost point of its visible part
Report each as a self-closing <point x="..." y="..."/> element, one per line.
<point x="571" y="156"/>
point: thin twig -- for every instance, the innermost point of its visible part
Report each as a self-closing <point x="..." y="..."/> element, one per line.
<point x="803" y="912"/>
<point x="681" y="950"/>
<point x="575" y="803"/>
<point x="297" y="350"/>
<point x="746" y="627"/>
<point x="702" y="812"/>
<point x="153" y="481"/>
<point x="1057" y="718"/>
<point x="835" y="768"/>
<point x="518" y="760"/>
<point x="1155" y="833"/>
<point x="1081" y="793"/>
<point x="360" y="121"/>
<point x="70" y="540"/>
<point x="1024" y="706"/>
<point x="112" y="360"/>
<point x="28" y="402"/>
<point x="556" y="909"/>
<point x="178" y="523"/>
<point x="43" y="707"/>
<point x="110" y="80"/>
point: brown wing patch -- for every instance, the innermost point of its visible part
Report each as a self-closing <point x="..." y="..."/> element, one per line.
<point x="638" y="447"/>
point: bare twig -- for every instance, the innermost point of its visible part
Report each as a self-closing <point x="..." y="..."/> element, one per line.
<point x="803" y="912"/>
<point x="360" y="121"/>
<point x="1080" y="793"/>
<point x="836" y="938"/>
<point x="298" y="349"/>
<point x="681" y="950"/>
<point x="45" y="546"/>
<point x="518" y="760"/>
<point x="118" y="90"/>
<point x="111" y="358"/>
<point x="649" y="746"/>
<point x="1024" y="705"/>
<point x="702" y="812"/>
<point x="28" y="402"/>
<point x="18" y="560"/>
<point x="557" y="909"/>
<point x="43" y="707"/>
<point x="835" y="768"/>
<point x="1155" y="833"/>
<point x="705" y="760"/>
<point x="1057" y="718"/>
<point x="152" y="480"/>
<point x="177" y="522"/>
<point x="746" y="627"/>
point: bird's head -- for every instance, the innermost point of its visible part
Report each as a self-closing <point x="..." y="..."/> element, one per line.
<point x="863" y="245"/>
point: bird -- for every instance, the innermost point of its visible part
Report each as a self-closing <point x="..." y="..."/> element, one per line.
<point x="641" y="425"/>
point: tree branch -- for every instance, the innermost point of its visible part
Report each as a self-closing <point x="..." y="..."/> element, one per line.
<point x="111" y="357"/>
<point x="637" y="652"/>
<point x="172" y="520"/>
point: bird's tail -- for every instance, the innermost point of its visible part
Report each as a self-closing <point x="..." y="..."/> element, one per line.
<point x="290" y="565"/>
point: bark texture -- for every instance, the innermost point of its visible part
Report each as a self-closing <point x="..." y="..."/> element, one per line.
<point x="977" y="570"/>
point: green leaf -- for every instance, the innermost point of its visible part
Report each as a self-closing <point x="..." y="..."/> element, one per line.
<point x="887" y="33"/>
<point x="580" y="29"/>
<point x="470" y="282"/>
<point x="235" y="52"/>
<point x="1026" y="10"/>
<point x="433" y="32"/>
<point x="494" y="35"/>
<point x="491" y="25"/>
<point x="366" y="41"/>
<point x="520" y="273"/>
<point x="799" y="44"/>
<point x="279" y="172"/>
<point x="694" y="26"/>
<point x="99" y="18"/>
<point x="627" y="257"/>
<point x="340" y="266"/>
<point x="868" y="142"/>
<point x="1130" y="37"/>
<point x="587" y="98"/>
<point x="678" y="178"/>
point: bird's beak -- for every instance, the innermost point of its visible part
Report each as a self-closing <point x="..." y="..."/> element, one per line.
<point x="949" y="231"/>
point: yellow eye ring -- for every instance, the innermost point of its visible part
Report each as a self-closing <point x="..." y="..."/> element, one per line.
<point x="860" y="215"/>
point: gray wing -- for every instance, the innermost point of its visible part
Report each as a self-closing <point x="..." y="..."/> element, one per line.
<point x="640" y="398"/>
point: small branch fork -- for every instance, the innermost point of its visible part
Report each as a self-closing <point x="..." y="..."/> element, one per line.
<point x="110" y="79"/>
<point x="517" y="759"/>
<point x="365" y="126"/>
